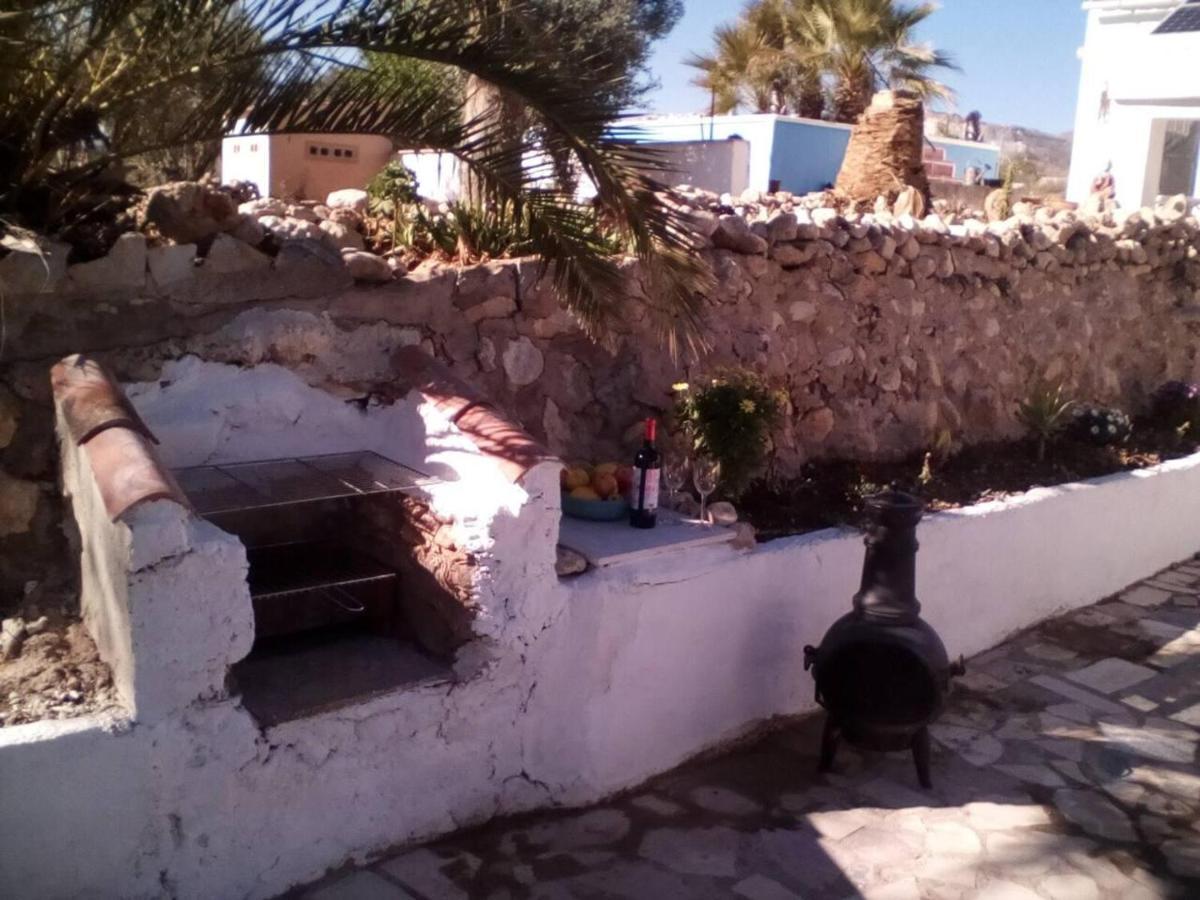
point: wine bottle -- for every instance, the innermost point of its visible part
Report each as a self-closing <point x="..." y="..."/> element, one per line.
<point x="643" y="500"/>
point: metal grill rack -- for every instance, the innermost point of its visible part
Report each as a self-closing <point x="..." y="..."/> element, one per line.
<point x="301" y="585"/>
<point x="241" y="487"/>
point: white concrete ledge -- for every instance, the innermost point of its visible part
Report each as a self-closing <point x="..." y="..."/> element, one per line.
<point x="631" y="670"/>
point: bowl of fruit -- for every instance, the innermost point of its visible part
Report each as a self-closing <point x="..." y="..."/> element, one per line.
<point x="596" y="492"/>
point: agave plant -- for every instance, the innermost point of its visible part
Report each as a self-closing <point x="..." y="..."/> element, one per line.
<point x="1044" y="413"/>
<point x="76" y="72"/>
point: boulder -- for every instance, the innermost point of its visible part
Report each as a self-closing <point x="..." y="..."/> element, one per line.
<point x="124" y="269"/>
<point x="341" y="237"/>
<point x="188" y="212"/>
<point x="348" y="198"/>
<point x="733" y="233"/>
<point x="303" y="213"/>
<point x="265" y="206"/>
<point x="34" y="264"/>
<point x="227" y="254"/>
<point x="249" y="230"/>
<point x="523" y="362"/>
<point x="290" y="228"/>
<point x="171" y="263"/>
<point x="367" y="267"/>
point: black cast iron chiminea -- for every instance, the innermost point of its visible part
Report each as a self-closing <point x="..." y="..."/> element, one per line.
<point x="882" y="672"/>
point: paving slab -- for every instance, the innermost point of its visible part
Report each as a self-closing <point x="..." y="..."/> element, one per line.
<point x="1065" y="768"/>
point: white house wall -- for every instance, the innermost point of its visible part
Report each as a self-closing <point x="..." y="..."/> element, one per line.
<point x="1147" y="77"/>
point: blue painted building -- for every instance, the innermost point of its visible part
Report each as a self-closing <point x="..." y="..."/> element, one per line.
<point x="804" y="154"/>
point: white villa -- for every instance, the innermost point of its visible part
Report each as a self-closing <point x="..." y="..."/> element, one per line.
<point x="1139" y="100"/>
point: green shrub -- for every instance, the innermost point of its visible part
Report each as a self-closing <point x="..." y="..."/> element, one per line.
<point x="729" y="418"/>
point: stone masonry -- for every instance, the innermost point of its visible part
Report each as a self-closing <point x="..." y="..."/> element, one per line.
<point x="883" y="330"/>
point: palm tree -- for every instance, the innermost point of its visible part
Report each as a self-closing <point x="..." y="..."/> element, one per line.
<point x="866" y="45"/>
<point x="73" y="70"/>
<point x="755" y="65"/>
<point x="779" y="54"/>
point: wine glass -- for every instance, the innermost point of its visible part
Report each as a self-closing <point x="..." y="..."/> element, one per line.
<point x="674" y="474"/>
<point x="705" y="473"/>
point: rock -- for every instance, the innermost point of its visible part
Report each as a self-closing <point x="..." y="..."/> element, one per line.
<point x="124" y="269"/>
<point x="302" y="212"/>
<point x="10" y="645"/>
<point x="18" y="503"/>
<point x="265" y="206"/>
<point x="345" y="216"/>
<point x="1094" y="814"/>
<point x="523" y="362"/>
<point x="568" y="562"/>
<point x="37" y="626"/>
<point x="188" y="212"/>
<point x="816" y="425"/>
<point x="171" y="264"/>
<point x="996" y="206"/>
<point x="1172" y="209"/>
<point x="782" y="227"/>
<point x="909" y="202"/>
<point x="733" y="233"/>
<point x="249" y="230"/>
<point x="34" y="264"/>
<point x="341" y="237"/>
<point x="802" y="311"/>
<point x="10" y="414"/>
<point x="292" y="229"/>
<point x="228" y="254"/>
<point x="348" y="198"/>
<point x="1183" y="857"/>
<point x="367" y="267"/>
<point x="789" y="256"/>
<point x="722" y="513"/>
<point x="500" y="307"/>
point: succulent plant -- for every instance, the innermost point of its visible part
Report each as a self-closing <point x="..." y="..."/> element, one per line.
<point x="1103" y="426"/>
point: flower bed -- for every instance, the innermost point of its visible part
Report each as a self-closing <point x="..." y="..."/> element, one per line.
<point x="830" y="492"/>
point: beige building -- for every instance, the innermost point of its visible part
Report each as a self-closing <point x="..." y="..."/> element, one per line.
<point x="303" y="166"/>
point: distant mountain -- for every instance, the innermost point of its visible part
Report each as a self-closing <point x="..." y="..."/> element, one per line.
<point x="1049" y="154"/>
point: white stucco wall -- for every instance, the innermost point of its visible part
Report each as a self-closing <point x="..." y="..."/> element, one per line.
<point x="581" y="688"/>
<point x="717" y="166"/>
<point x="1148" y="78"/>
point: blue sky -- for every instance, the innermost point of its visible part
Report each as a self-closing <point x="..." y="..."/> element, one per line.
<point x="1017" y="56"/>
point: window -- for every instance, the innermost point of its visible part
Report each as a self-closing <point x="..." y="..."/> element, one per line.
<point x="1181" y="151"/>
<point x="330" y="152"/>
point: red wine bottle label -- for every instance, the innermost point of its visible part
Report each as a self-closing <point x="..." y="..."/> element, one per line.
<point x="649" y="497"/>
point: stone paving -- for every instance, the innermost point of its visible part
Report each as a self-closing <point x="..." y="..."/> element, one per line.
<point x="1065" y="768"/>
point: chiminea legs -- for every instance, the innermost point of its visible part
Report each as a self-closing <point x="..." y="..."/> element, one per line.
<point x="920" y="749"/>
<point x="829" y="744"/>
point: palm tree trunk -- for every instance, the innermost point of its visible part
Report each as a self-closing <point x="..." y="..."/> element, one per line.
<point x="489" y="107"/>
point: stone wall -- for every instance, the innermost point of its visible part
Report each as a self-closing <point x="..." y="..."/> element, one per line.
<point x="882" y="330"/>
